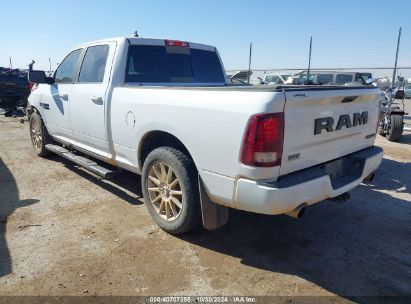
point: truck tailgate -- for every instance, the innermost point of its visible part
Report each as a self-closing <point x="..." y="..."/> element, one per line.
<point x="321" y="124"/>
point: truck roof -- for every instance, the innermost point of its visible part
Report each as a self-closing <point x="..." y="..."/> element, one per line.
<point x="146" y="41"/>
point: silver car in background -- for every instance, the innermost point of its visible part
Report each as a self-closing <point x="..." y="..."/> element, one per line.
<point x="407" y="91"/>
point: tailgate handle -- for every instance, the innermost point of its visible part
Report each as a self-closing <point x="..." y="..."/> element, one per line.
<point x="349" y="99"/>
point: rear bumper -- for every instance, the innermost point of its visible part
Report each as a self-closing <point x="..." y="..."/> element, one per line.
<point x="307" y="186"/>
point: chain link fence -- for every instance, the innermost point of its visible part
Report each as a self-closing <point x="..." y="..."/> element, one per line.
<point x="322" y="76"/>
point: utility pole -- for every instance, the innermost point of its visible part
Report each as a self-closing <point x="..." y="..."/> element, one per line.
<point x="10" y="65"/>
<point x="49" y="65"/>
<point x="309" y="59"/>
<point x="249" y="64"/>
<point x="396" y="61"/>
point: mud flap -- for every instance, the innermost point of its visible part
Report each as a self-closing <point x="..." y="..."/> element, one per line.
<point x="214" y="216"/>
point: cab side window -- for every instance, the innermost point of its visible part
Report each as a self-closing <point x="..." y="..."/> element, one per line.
<point x="66" y="72"/>
<point x="94" y="64"/>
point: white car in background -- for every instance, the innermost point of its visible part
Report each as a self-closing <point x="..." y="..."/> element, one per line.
<point x="274" y="79"/>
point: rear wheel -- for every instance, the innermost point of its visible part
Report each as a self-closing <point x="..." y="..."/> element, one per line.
<point x="39" y="135"/>
<point x="170" y="188"/>
<point x="396" y="127"/>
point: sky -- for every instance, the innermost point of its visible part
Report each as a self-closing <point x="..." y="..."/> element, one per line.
<point x="345" y="33"/>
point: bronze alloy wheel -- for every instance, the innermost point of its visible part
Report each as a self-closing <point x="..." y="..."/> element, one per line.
<point x="36" y="134"/>
<point x="169" y="182"/>
<point x="165" y="192"/>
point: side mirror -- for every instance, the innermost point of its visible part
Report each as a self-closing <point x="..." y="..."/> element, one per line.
<point x="400" y="94"/>
<point x="40" y="77"/>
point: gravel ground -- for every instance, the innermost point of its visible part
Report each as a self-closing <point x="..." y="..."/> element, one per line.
<point x="64" y="231"/>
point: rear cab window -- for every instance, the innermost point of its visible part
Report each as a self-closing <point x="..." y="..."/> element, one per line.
<point x="173" y="64"/>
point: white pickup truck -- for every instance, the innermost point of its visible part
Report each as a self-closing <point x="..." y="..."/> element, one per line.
<point x="163" y="109"/>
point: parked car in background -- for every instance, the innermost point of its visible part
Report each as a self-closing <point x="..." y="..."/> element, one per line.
<point x="392" y="113"/>
<point x="332" y="78"/>
<point x="239" y="78"/>
<point x="407" y="91"/>
<point x="314" y="78"/>
<point x="14" y="87"/>
<point x="271" y="78"/>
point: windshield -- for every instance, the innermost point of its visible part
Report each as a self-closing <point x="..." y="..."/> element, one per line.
<point x="161" y="64"/>
<point x="362" y="77"/>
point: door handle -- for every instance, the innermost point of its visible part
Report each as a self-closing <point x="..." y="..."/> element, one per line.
<point x="62" y="96"/>
<point x="97" y="100"/>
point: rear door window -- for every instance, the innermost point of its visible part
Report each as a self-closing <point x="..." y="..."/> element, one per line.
<point x="94" y="64"/>
<point x="66" y="71"/>
<point x="160" y="64"/>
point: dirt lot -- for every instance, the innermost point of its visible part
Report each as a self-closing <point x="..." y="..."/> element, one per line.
<point x="64" y="231"/>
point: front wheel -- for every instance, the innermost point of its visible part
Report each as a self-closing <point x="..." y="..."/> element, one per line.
<point x="39" y="135"/>
<point x="170" y="188"/>
<point x="396" y="127"/>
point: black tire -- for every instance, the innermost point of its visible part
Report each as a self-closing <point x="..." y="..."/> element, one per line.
<point x="184" y="171"/>
<point x="39" y="147"/>
<point x="396" y="128"/>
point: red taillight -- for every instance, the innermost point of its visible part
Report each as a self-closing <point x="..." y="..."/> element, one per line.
<point x="176" y="43"/>
<point x="30" y="86"/>
<point x="263" y="141"/>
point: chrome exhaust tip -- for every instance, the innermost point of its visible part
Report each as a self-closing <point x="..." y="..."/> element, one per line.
<point x="297" y="212"/>
<point x="370" y="177"/>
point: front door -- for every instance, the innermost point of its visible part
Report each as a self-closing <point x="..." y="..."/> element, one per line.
<point x="56" y="103"/>
<point x="88" y="99"/>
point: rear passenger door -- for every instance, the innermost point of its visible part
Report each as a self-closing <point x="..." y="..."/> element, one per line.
<point x="88" y="105"/>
